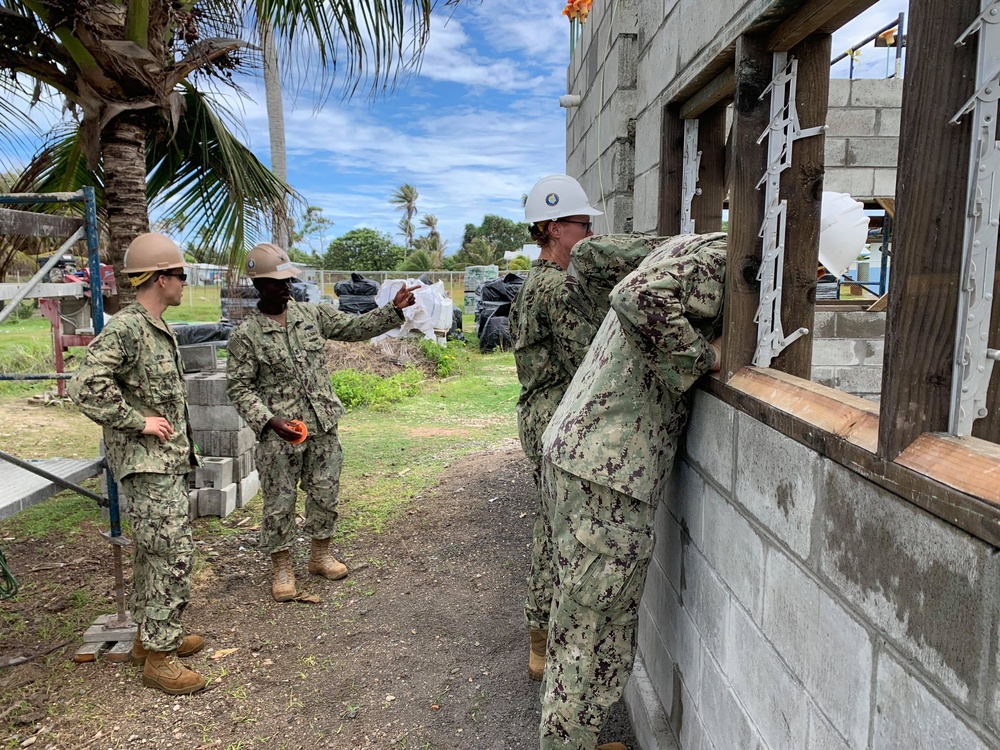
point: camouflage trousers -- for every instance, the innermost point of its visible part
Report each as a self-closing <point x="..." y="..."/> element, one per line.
<point x="603" y="543"/>
<point x="315" y="465"/>
<point x="538" y="602"/>
<point x="164" y="552"/>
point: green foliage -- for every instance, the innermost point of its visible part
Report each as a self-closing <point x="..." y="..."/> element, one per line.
<point x="418" y="261"/>
<point x="520" y="263"/>
<point x="502" y="233"/>
<point x="361" y="389"/>
<point x="363" y="249"/>
<point x="308" y="235"/>
<point x="445" y="358"/>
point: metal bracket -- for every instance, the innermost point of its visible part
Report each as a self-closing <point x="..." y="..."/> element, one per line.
<point x="974" y="359"/>
<point x="689" y="175"/>
<point x="782" y="132"/>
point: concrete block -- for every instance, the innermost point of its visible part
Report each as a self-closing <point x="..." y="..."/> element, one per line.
<point x="773" y="699"/>
<point x="824" y="324"/>
<point x="710" y="438"/>
<point x="872" y="152"/>
<point x="658" y="65"/>
<point x="668" y="550"/>
<point x="858" y="182"/>
<point x="198" y="357"/>
<point x="684" y="492"/>
<point x="776" y="481"/>
<point x="840" y="92"/>
<point x="645" y="204"/>
<point x="648" y="125"/>
<point x="217" y="502"/>
<point x="885" y="183"/>
<point x="908" y="715"/>
<point x="247" y="489"/>
<point x="245" y="464"/>
<point x="225" y="442"/>
<point x="829" y="652"/>
<point x="824" y="376"/>
<point x="735" y="551"/>
<point x="215" y="471"/>
<point x="657" y="659"/>
<point x="860" y="379"/>
<point x="192" y="504"/>
<point x="872" y="92"/>
<point x="687" y="723"/>
<point x="216" y="417"/>
<point x="888" y="122"/>
<point x="856" y="122"/>
<point x="835" y="152"/>
<point x="860" y="325"/>
<point x="835" y="352"/>
<point x="920" y="581"/>
<point x="99" y="632"/>
<point x="646" y="712"/>
<point x="207" y="388"/>
<point x="706" y="600"/>
<point x="725" y="721"/>
<point x="822" y="736"/>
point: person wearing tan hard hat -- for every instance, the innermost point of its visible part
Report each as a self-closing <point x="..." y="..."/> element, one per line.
<point x="277" y="377"/>
<point x="131" y="383"/>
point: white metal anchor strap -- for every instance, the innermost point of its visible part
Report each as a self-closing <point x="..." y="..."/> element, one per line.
<point x="689" y="175"/>
<point x="782" y="132"/>
<point x="973" y="358"/>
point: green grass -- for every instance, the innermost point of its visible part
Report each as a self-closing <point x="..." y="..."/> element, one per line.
<point x="63" y="515"/>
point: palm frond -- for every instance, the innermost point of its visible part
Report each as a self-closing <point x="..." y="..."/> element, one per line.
<point x="204" y="172"/>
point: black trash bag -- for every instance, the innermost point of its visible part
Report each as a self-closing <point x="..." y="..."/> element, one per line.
<point x="201" y="333"/>
<point x="357" y="304"/>
<point x="358" y="286"/>
<point x="455" y="333"/>
<point x="494" y="331"/>
<point x="425" y="280"/>
<point x="500" y="290"/>
<point x="485" y="309"/>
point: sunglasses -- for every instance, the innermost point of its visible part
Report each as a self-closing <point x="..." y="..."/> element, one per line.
<point x="585" y="224"/>
<point x="181" y="276"/>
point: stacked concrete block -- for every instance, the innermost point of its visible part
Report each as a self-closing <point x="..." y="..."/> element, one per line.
<point x="228" y="478"/>
<point x="848" y="351"/>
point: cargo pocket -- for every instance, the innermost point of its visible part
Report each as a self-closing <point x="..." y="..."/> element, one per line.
<point x="610" y="563"/>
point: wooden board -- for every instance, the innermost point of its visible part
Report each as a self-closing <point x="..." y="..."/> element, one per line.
<point x="671" y="172"/>
<point x="706" y="208"/>
<point x="815" y="16"/>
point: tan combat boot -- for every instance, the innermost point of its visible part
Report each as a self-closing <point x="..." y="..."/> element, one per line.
<point x="536" y="657"/>
<point x="164" y="671"/>
<point x="191" y="644"/>
<point x="322" y="563"/>
<point x="282" y="577"/>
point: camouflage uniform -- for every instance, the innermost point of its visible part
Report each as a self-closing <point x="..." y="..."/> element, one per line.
<point x="551" y="336"/>
<point x="606" y="455"/>
<point x="279" y="370"/>
<point x="133" y="370"/>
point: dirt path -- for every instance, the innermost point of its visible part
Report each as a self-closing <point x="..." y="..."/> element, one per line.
<point x="422" y="647"/>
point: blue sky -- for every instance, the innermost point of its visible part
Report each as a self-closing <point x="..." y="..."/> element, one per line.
<point x="473" y="129"/>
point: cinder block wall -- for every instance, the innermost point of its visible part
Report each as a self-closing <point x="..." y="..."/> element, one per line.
<point x="793" y="604"/>
<point x="862" y="143"/>
<point x="848" y="349"/>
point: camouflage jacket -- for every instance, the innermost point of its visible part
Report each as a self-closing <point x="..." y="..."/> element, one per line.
<point x="280" y="371"/>
<point x="622" y="415"/>
<point x="550" y="336"/>
<point x="131" y="371"/>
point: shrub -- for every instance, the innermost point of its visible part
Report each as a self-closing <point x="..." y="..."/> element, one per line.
<point x="443" y="357"/>
<point x="360" y="389"/>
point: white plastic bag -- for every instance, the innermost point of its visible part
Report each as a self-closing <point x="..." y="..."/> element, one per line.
<point x="431" y="310"/>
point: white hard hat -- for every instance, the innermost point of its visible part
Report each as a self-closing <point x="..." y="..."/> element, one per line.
<point x="555" y="197"/>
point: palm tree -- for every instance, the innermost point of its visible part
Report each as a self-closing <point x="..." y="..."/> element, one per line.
<point x="419" y="261"/>
<point x="124" y="67"/>
<point x="405" y="199"/>
<point x="480" y="252"/>
<point x="433" y="243"/>
<point x="280" y="231"/>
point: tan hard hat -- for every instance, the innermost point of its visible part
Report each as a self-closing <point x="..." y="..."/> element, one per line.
<point x="268" y="261"/>
<point x="153" y="252"/>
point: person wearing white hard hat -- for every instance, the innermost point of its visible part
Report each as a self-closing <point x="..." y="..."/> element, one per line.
<point x="131" y="382"/>
<point x="277" y="380"/>
<point x="550" y="336"/>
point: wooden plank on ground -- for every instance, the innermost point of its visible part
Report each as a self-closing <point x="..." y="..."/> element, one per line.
<point x="30" y="224"/>
<point x="930" y="226"/>
<point x="815" y="16"/>
<point x="802" y="188"/>
<point x="671" y="171"/>
<point x="746" y="205"/>
<point x="706" y="208"/>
